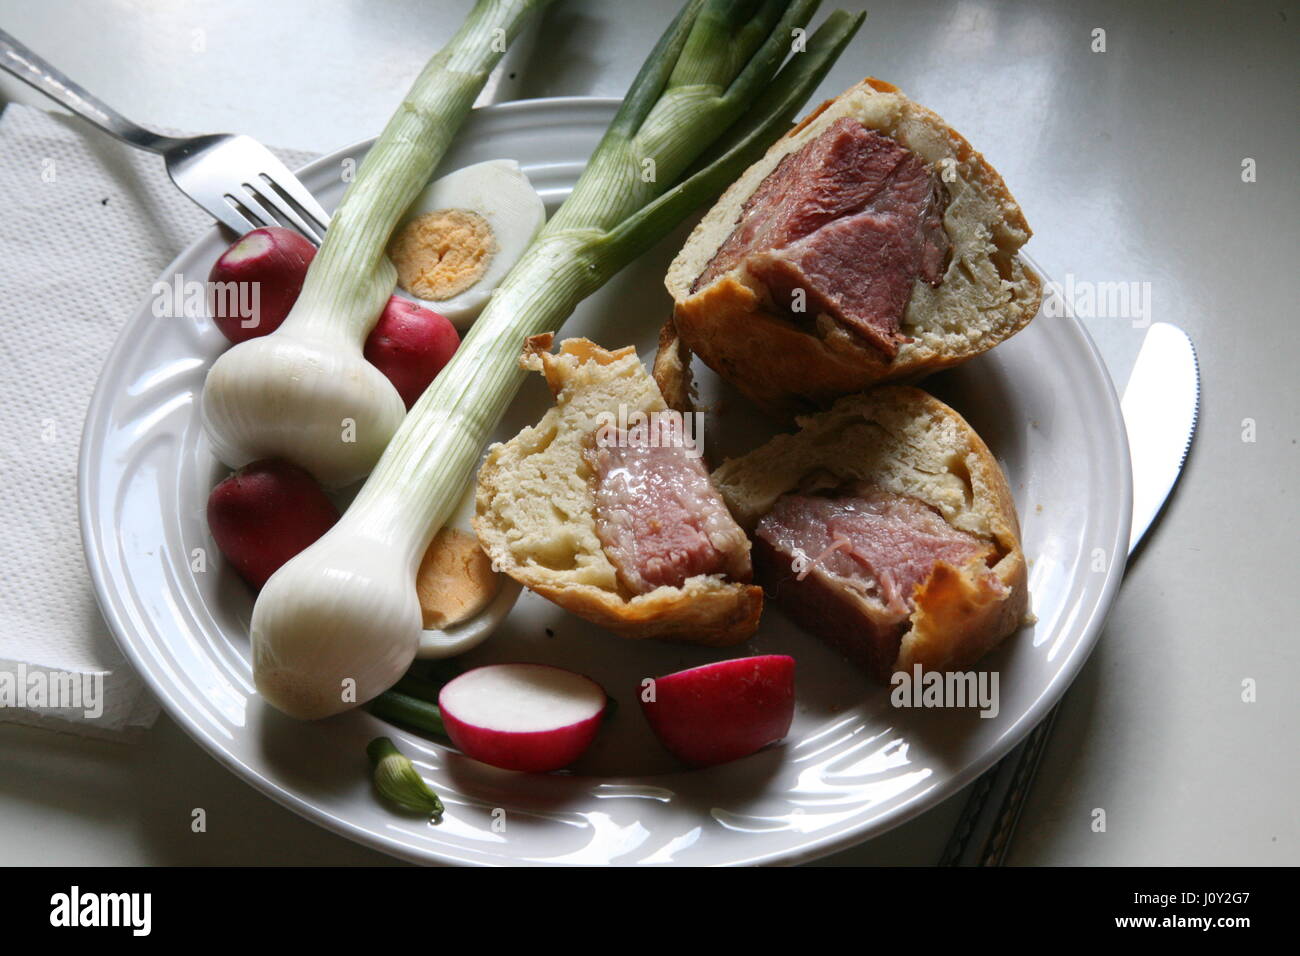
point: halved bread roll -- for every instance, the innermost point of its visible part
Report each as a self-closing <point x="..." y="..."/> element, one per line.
<point x="885" y="526"/>
<point x="605" y="507"/>
<point x="870" y="244"/>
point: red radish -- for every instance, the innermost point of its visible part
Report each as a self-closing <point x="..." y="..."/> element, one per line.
<point x="719" y="712"/>
<point x="530" y="717"/>
<point x="410" y="344"/>
<point x="264" y="514"/>
<point x="268" y="263"/>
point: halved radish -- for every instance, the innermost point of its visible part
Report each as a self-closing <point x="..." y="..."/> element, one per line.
<point x="718" y="712"/>
<point x="530" y="717"/>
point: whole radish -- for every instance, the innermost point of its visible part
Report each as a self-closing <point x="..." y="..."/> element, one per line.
<point x="267" y="267"/>
<point x="264" y="514"/>
<point x="410" y="344"/>
<point x="719" y="712"/>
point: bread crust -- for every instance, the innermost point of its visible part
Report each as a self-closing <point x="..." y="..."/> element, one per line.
<point x="703" y="611"/>
<point x="959" y="614"/>
<point x="782" y="365"/>
<point x="707" y="609"/>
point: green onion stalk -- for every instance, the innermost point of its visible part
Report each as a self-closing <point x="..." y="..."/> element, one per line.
<point x="288" y="394"/>
<point x="723" y="82"/>
<point x="716" y="61"/>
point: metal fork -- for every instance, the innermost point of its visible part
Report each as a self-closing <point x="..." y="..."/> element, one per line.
<point x="234" y="178"/>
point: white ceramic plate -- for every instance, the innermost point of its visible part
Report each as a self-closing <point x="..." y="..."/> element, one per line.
<point x="851" y="767"/>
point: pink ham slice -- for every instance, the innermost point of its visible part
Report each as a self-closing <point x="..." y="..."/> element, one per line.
<point x="853" y="219"/>
<point x="657" y="515"/>
<point x="860" y="558"/>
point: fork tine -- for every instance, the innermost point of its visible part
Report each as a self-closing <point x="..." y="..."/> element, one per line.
<point x="250" y="201"/>
<point x="267" y="194"/>
<point x="239" y="182"/>
<point x="287" y="183"/>
<point x="226" y="214"/>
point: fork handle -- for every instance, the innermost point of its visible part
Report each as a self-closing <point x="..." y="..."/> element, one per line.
<point x="18" y="59"/>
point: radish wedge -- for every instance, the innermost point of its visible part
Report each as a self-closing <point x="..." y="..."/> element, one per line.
<point x="529" y="717"/>
<point x="719" y="712"/>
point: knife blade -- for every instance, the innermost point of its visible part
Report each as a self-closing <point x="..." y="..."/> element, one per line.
<point x="1161" y="404"/>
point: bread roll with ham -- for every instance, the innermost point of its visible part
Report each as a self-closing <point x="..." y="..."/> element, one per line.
<point x="605" y="507"/>
<point x="885" y="526"/>
<point x="870" y="244"/>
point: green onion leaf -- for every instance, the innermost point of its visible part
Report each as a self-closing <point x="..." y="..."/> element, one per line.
<point x="421" y="688"/>
<point x="409" y="711"/>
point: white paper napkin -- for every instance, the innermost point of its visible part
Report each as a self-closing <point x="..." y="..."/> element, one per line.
<point x="86" y="225"/>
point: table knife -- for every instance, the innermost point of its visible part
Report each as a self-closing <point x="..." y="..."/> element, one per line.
<point x="1160" y="406"/>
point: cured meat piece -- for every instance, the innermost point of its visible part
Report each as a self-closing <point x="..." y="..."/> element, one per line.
<point x="657" y="515"/>
<point x="847" y="567"/>
<point x="833" y="176"/>
<point x="852" y="219"/>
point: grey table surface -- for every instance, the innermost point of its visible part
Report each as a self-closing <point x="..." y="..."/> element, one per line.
<point x="1129" y="164"/>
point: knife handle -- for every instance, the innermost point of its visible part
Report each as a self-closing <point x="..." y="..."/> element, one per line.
<point x="1018" y="769"/>
<point x="1022" y="782"/>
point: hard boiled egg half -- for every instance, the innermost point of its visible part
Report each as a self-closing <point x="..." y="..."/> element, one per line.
<point x="462" y="598"/>
<point x="461" y="236"/>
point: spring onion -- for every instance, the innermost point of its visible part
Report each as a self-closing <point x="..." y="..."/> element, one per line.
<point x="344" y="612"/>
<point x="397" y="780"/>
<point x="305" y="392"/>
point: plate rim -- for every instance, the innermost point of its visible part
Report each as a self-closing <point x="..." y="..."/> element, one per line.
<point x="849" y="836"/>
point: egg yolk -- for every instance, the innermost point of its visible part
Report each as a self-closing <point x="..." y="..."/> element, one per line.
<point x="442" y="253"/>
